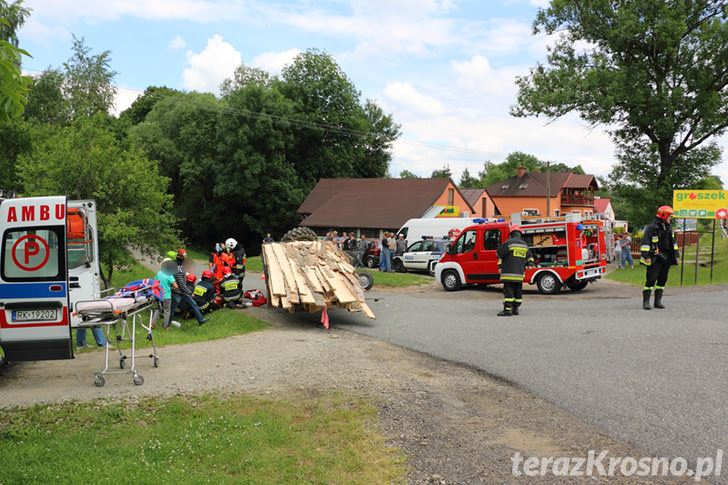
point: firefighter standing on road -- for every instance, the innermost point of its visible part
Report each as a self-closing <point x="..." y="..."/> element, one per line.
<point x="513" y="256"/>
<point x="659" y="251"/>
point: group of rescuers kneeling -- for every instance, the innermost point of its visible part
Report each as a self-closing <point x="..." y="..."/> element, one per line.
<point x="221" y="284"/>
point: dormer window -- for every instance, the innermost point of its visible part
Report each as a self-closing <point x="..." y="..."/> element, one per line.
<point x="505" y="187"/>
<point x="522" y="186"/>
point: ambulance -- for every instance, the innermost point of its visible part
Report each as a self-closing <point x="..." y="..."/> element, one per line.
<point x="568" y="251"/>
<point x="48" y="261"/>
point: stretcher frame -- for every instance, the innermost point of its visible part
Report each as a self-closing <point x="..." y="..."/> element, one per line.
<point x="115" y="321"/>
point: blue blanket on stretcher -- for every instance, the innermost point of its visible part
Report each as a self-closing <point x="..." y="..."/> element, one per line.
<point x="137" y="288"/>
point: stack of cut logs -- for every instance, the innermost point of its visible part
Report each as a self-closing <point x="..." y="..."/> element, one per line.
<point x="315" y="274"/>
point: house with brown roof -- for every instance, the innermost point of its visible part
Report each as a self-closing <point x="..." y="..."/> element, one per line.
<point x="550" y="193"/>
<point x="372" y="205"/>
<point x="480" y="201"/>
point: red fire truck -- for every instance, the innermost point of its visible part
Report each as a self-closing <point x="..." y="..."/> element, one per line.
<point x="567" y="251"/>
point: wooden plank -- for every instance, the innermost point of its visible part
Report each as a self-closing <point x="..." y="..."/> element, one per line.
<point x="275" y="275"/>
<point x="287" y="272"/>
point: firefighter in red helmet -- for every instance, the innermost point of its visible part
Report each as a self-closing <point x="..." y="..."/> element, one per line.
<point x="513" y="256"/>
<point x="659" y="251"/>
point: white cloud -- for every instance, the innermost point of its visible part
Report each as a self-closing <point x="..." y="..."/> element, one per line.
<point x="177" y="43"/>
<point x="541" y="3"/>
<point x="210" y="67"/>
<point x="274" y="62"/>
<point x="404" y="95"/>
<point x="44" y="34"/>
<point x="94" y="10"/>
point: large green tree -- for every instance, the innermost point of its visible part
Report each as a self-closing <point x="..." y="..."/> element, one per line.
<point x="89" y="81"/>
<point x="655" y="72"/>
<point x="181" y="133"/>
<point x="85" y="161"/>
<point x="13" y="85"/>
<point x="258" y="182"/>
<point x="335" y="135"/>
<point x="46" y="100"/>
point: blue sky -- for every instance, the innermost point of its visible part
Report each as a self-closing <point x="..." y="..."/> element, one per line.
<point x="443" y="68"/>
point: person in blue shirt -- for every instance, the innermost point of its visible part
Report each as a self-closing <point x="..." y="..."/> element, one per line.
<point x="165" y="276"/>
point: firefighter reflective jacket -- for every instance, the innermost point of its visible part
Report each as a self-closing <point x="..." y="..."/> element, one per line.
<point x="513" y="255"/>
<point x="659" y="242"/>
<point x="203" y="293"/>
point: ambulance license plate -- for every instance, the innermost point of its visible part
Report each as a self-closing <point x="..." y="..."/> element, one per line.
<point x="34" y="315"/>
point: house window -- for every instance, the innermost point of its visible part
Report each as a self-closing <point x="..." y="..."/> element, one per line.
<point x="450" y="196"/>
<point x="529" y="212"/>
<point x="557" y="212"/>
<point x="484" y="208"/>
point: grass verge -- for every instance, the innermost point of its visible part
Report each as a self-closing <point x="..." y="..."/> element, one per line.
<point x="396" y="280"/>
<point x="195" y="439"/>
<point x="223" y="323"/>
<point x="720" y="269"/>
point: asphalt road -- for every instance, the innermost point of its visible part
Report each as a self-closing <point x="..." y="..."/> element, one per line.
<point x="656" y="380"/>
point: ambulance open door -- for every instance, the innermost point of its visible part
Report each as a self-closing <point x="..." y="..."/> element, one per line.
<point x="34" y="298"/>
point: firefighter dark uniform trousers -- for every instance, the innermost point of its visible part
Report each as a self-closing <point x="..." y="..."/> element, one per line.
<point x="659" y="251"/>
<point x="513" y="256"/>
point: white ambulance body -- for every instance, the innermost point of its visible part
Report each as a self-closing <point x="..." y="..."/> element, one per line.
<point x="48" y="261"/>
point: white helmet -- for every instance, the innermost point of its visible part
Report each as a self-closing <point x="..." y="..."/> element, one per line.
<point x="230" y="243"/>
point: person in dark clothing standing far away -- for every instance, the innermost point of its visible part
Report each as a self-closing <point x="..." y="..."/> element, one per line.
<point x="513" y="256"/>
<point x="401" y="246"/>
<point x="361" y="248"/>
<point x="659" y="251"/>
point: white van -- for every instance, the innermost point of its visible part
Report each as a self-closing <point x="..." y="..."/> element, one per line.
<point x="436" y="228"/>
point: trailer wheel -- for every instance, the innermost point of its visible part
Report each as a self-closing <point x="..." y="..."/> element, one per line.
<point x="155" y="362"/>
<point x="548" y="283"/>
<point x="299" y="234"/>
<point x="122" y="362"/>
<point x="370" y="262"/>
<point x="366" y="280"/>
<point x="577" y="285"/>
<point x="451" y="280"/>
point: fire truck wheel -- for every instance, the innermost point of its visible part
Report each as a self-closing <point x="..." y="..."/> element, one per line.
<point x="548" y="283"/>
<point x="577" y="285"/>
<point x="299" y="234"/>
<point x="451" y="280"/>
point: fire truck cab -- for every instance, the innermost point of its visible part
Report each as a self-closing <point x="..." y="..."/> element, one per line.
<point x="48" y="261"/>
<point x="567" y="252"/>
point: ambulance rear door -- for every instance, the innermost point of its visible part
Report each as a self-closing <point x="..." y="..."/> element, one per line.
<point x="34" y="304"/>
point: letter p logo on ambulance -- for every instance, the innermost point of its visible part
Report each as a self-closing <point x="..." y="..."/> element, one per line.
<point x="30" y="252"/>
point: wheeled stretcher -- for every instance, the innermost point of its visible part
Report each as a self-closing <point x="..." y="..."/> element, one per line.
<point x="119" y="316"/>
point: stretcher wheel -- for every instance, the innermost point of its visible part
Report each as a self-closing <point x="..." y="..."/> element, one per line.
<point x="122" y="363"/>
<point x="99" y="381"/>
<point x="155" y="362"/>
<point x="138" y="380"/>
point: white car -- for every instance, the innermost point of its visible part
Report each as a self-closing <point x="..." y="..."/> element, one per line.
<point x="421" y="256"/>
